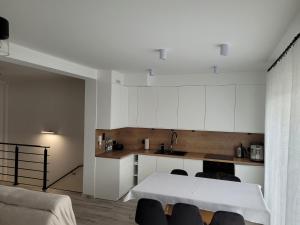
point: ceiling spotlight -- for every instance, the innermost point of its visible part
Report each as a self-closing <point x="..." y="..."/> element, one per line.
<point x="215" y="69"/>
<point x="163" y="53"/>
<point x="150" y="72"/>
<point x="224" y="49"/>
<point x="4" y="35"/>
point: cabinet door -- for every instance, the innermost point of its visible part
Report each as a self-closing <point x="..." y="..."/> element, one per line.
<point x="250" y="108"/>
<point x="132" y="106"/>
<point x="191" y="108"/>
<point x="147" y="103"/>
<point x="126" y="174"/>
<point x="167" y="107"/>
<point x="124" y="107"/>
<point x="220" y="107"/>
<point x="115" y="119"/>
<point x="107" y="178"/>
<point x="146" y="166"/>
<point x="250" y="174"/>
<point x="192" y="166"/>
<point x="166" y="164"/>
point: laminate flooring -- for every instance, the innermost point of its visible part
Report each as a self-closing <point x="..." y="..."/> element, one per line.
<point x="101" y="212"/>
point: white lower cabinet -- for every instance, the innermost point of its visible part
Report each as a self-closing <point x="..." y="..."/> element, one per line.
<point x="192" y="166"/>
<point x="167" y="164"/>
<point x="250" y="174"/>
<point x="146" y="166"/>
<point x="113" y="177"/>
<point x="126" y="175"/>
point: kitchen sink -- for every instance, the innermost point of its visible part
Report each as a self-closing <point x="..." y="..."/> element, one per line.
<point x="168" y="152"/>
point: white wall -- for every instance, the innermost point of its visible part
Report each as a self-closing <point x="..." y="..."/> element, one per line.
<point x="90" y="121"/>
<point x="42" y="104"/>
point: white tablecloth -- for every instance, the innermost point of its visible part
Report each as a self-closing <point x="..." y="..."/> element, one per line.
<point x="207" y="194"/>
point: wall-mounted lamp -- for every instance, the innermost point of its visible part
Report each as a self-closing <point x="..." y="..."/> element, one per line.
<point x="4" y="36"/>
<point x="47" y="132"/>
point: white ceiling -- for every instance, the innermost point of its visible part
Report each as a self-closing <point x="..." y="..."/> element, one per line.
<point x="122" y="34"/>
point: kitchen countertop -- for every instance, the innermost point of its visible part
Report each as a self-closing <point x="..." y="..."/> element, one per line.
<point x="188" y="155"/>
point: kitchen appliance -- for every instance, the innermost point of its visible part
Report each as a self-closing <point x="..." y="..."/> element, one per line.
<point x="117" y="146"/>
<point x="241" y="152"/>
<point x="257" y="153"/>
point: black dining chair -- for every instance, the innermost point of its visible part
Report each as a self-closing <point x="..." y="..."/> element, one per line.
<point x="185" y="214"/>
<point x="227" y="218"/>
<point x="230" y="177"/>
<point x="150" y="212"/>
<point x="179" y="172"/>
<point x="206" y="175"/>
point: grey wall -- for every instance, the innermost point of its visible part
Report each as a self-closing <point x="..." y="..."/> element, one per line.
<point x="49" y="104"/>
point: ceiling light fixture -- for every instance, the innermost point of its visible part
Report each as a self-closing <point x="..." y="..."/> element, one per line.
<point x="215" y="69"/>
<point x="224" y="49"/>
<point x="150" y="72"/>
<point x="4" y="36"/>
<point x="163" y="53"/>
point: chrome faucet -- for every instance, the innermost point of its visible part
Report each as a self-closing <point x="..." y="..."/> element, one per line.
<point x="174" y="137"/>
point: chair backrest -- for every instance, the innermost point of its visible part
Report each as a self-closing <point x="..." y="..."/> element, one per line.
<point x="206" y="175"/>
<point x="227" y="218"/>
<point x="179" y="172"/>
<point x="150" y="212"/>
<point x="230" y="177"/>
<point x="185" y="214"/>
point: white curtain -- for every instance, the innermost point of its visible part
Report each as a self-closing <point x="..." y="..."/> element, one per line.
<point x="282" y="141"/>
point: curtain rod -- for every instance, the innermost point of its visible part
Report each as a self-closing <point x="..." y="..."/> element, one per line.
<point x="284" y="52"/>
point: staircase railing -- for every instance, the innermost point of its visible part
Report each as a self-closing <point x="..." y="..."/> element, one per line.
<point x="17" y="152"/>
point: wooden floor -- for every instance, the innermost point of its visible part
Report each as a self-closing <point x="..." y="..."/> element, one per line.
<point x="100" y="212"/>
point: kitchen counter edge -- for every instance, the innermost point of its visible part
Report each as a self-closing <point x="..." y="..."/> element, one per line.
<point x="189" y="155"/>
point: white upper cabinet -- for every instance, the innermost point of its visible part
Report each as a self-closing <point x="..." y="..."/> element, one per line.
<point x="220" y="107"/>
<point x="119" y="106"/>
<point x="112" y="101"/>
<point x="147" y="104"/>
<point x="124" y="107"/>
<point x="167" y="107"/>
<point x="132" y="106"/>
<point x="250" y="108"/>
<point x="115" y="106"/>
<point x="191" y="108"/>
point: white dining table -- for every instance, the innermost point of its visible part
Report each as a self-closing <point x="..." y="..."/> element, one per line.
<point x="207" y="194"/>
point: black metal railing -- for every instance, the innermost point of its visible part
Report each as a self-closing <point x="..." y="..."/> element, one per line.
<point x="17" y="160"/>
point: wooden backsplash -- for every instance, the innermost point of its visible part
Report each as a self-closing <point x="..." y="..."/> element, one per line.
<point x="189" y="141"/>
